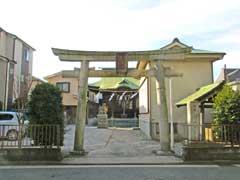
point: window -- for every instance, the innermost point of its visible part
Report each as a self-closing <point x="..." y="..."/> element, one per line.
<point x="4" y="117"/>
<point x="26" y="54"/>
<point x="64" y="86"/>
<point x="11" y="70"/>
<point x="22" y="78"/>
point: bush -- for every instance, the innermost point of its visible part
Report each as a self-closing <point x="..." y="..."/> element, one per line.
<point x="226" y="106"/>
<point x="45" y="108"/>
<point x="226" y="109"/>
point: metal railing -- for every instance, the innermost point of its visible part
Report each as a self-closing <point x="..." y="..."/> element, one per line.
<point x="30" y="136"/>
<point x="226" y="134"/>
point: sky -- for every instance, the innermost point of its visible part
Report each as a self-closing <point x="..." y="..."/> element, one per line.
<point x="122" y="25"/>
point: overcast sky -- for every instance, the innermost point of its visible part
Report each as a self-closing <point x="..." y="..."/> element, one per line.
<point x="121" y="25"/>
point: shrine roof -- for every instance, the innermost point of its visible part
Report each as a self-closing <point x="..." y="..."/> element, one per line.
<point x="114" y="83"/>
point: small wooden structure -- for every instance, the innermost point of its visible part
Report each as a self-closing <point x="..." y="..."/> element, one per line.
<point x="196" y="104"/>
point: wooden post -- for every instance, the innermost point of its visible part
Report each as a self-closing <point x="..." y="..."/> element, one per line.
<point x="163" y="119"/>
<point x="201" y="122"/>
<point x="193" y="120"/>
<point x="81" y="108"/>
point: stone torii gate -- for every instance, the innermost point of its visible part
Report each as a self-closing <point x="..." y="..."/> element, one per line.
<point x="121" y="58"/>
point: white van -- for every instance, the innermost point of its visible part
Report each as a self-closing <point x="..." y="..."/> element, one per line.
<point x="9" y="124"/>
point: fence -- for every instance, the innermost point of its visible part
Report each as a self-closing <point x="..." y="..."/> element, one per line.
<point x="26" y="136"/>
<point x="219" y="134"/>
<point x="155" y="129"/>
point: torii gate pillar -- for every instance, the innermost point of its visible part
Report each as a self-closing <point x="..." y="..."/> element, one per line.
<point x="163" y="119"/>
<point x="81" y="108"/>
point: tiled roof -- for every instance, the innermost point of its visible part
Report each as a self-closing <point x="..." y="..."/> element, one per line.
<point x="199" y="94"/>
<point x="201" y="51"/>
<point x="114" y="83"/>
<point x="233" y="74"/>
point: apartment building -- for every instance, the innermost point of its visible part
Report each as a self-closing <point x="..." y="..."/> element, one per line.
<point x="16" y="59"/>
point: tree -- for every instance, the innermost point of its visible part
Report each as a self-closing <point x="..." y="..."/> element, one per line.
<point x="45" y="108"/>
<point x="20" y="103"/>
<point x="226" y="106"/>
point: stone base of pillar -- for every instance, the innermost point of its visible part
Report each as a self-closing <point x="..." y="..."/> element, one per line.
<point x="163" y="153"/>
<point x="164" y="146"/>
<point x="78" y="153"/>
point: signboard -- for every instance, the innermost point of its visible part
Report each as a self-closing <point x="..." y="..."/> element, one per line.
<point x="121" y="63"/>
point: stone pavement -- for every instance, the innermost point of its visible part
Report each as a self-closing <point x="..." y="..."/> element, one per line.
<point x="107" y="146"/>
<point x="115" y="146"/>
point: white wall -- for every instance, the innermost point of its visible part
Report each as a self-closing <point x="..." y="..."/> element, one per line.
<point x="144" y="114"/>
<point x="196" y="74"/>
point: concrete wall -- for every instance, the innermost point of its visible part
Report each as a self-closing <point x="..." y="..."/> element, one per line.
<point x="144" y="103"/>
<point x="144" y="124"/>
<point x="209" y="153"/>
<point x="33" y="154"/>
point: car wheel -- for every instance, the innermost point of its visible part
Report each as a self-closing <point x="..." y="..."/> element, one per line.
<point x="12" y="135"/>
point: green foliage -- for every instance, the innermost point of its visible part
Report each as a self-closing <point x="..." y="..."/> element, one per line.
<point x="226" y="106"/>
<point x="45" y="107"/>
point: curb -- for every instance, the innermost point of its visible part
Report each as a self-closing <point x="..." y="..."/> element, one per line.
<point x="16" y="163"/>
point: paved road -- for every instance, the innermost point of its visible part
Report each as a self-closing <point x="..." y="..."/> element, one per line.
<point x="115" y="146"/>
<point x="164" y="172"/>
